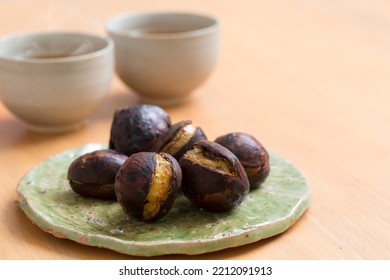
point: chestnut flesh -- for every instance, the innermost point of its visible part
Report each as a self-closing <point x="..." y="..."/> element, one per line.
<point x="147" y="185"/>
<point x="251" y="153"/>
<point x="136" y="129"/>
<point x="179" y="138"/>
<point x="93" y="174"/>
<point x="213" y="177"/>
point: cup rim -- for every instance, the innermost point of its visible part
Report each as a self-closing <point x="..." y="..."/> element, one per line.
<point x="74" y="58"/>
<point x="174" y="35"/>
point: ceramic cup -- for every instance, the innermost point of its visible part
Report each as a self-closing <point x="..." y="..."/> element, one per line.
<point x="164" y="56"/>
<point x="54" y="80"/>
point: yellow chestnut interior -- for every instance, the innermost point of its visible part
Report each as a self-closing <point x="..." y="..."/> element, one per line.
<point x="196" y="155"/>
<point x="159" y="189"/>
<point x="252" y="171"/>
<point x="182" y="136"/>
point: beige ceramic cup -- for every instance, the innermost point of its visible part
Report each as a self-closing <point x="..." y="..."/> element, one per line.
<point x="54" y="80"/>
<point x="164" y="56"/>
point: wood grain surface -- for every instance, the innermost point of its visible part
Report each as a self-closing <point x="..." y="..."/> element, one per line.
<point x="309" y="79"/>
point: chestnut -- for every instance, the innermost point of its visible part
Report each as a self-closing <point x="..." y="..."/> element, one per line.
<point x="179" y="138"/>
<point x="213" y="177"/>
<point x="251" y="153"/>
<point x="93" y="174"/>
<point x="147" y="184"/>
<point x="136" y="129"/>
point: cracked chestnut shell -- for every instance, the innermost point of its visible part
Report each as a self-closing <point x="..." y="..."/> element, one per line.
<point x="93" y="174"/>
<point x="179" y="138"/>
<point x="251" y="153"/>
<point x="136" y="129"/>
<point x="213" y="177"/>
<point x="147" y="185"/>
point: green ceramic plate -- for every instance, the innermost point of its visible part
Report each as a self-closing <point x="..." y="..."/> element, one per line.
<point x="47" y="199"/>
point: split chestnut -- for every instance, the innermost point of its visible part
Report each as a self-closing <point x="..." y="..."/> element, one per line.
<point x="251" y="153"/>
<point x="213" y="177"/>
<point x="147" y="184"/>
<point x="179" y="138"/>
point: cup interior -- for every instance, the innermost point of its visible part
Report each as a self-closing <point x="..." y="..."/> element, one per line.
<point x="161" y="24"/>
<point x="50" y="45"/>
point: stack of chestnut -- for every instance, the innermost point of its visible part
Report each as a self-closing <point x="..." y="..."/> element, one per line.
<point x="149" y="161"/>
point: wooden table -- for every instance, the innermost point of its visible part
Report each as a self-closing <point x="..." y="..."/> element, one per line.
<point x="310" y="79"/>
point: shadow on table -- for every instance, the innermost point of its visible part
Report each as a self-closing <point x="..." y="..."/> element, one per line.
<point x="14" y="132"/>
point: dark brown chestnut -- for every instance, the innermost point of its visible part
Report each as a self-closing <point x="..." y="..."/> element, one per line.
<point x="136" y="129"/>
<point x="213" y="177"/>
<point x="147" y="184"/>
<point x="93" y="174"/>
<point x="251" y="153"/>
<point x="179" y="138"/>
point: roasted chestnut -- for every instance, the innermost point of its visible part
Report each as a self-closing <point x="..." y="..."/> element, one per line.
<point x="251" y="153"/>
<point x="147" y="184"/>
<point x="179" y="138"/>
<point x="93" y="174"/>
<point x="213" y="177"/>
<point x="136" y="129"/>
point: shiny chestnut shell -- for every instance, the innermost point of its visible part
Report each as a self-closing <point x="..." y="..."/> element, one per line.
<point x="136" y="129"/>
<point x="171" y="135"/>
<point x="134" y="182"/>
<point x="251" y="153"/>
<point x="208" y="187"/>
<point x="93" y="174"/>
